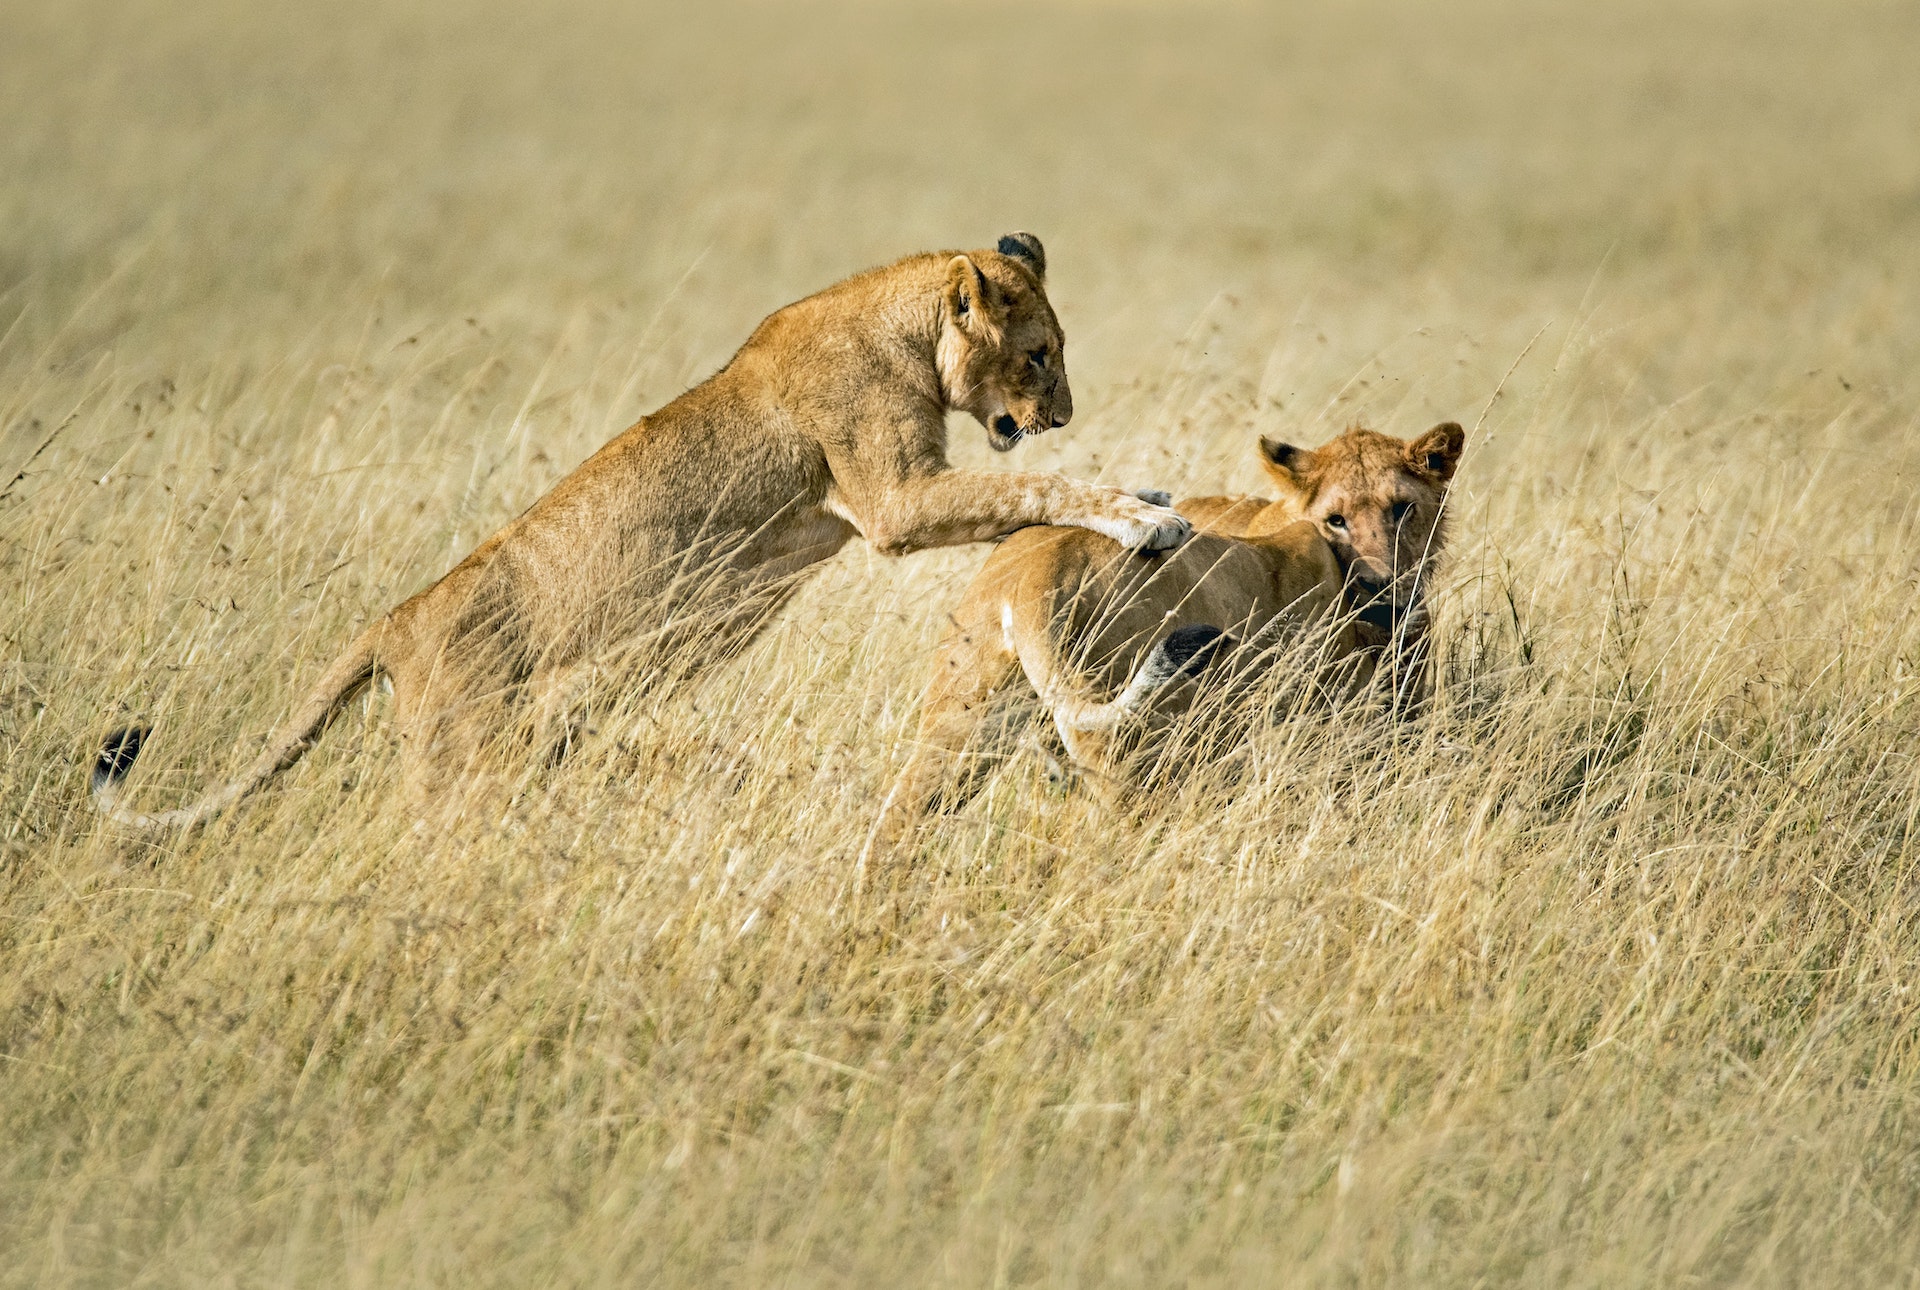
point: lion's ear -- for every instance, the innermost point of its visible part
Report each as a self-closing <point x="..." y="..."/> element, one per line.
<point x="1286" y="464"/>
<point x="970" y="299"/>
<point x="1437" y="451"/>
<point x="1026" y="248"/>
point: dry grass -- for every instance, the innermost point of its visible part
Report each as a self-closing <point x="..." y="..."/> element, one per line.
<point x="1601" y="974"/>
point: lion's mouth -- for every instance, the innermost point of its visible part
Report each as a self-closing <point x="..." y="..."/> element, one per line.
<point x="1380" y="614"/>
<point x="1004" y="433"/>
<point x="1374" y="604"/>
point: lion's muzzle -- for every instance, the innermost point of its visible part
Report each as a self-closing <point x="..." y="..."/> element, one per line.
<point x="1373" y="602"/>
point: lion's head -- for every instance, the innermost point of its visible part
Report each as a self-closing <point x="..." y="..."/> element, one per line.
<point x="1001" y="354"/>
<point x="1380" y="502"/>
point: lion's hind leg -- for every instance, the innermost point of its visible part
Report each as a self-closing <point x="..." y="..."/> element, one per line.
<point x="1105" y="740"/>
<point x="970" y="672"/>
<point x="461" y="704"/>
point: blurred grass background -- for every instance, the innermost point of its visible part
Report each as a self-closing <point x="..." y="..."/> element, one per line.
<point x="1601" y="974"/>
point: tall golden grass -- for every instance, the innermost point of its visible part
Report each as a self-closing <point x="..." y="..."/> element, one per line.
<point x="1600" y="973"/>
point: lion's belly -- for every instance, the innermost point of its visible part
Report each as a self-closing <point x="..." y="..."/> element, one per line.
<point x="790" y="545"/>
<point x="669" y="588"/>
<point x="670" y="525"/>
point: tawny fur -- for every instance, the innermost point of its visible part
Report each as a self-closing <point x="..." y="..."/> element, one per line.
<point x="682" y="536"/>
<point x="1349" y="545"/>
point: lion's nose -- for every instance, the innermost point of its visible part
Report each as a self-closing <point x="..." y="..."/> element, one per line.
<point x="1059" y="420"/>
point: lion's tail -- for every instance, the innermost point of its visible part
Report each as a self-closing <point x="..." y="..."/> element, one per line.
<point x="1181" y="654"/>
<point x="349" y="673"/>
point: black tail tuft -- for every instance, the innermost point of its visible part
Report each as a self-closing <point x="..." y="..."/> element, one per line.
<point x="1185" y="653"/>
<point x="1191" y="650"/>
<point x="117" y="754"/>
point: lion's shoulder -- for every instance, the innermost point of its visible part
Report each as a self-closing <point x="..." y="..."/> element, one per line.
<point x="1228" y="516"/>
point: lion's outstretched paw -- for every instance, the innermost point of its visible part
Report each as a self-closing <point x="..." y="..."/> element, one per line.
<point x="1141" y="526"/>
<point x="1167" y="530"/>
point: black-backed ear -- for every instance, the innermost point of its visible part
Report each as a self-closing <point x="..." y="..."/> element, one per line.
<point x="1025" y="247"/>
<point x="970" y="298"/>
<point x="1437" y="452"/>
<point x="1288" y="465"/>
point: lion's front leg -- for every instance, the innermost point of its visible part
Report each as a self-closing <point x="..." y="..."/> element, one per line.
<point x="960" y="506"/>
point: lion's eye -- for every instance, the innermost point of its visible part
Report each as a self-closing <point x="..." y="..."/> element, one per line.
<point x="1401" y="510"/>
<point x="1038" y="358"/>
<point x="1337" y="521"/>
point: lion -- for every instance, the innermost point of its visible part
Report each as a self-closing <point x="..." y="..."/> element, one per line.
<point x="1347" y="550"/>
<point x="685" y="533"/>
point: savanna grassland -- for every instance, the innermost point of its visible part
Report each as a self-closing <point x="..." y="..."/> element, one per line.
<point x="1602" y="972"/>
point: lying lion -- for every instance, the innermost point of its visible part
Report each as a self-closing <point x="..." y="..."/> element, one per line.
<point x="1346" y="549"/>
<point x="686" y="532"/>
